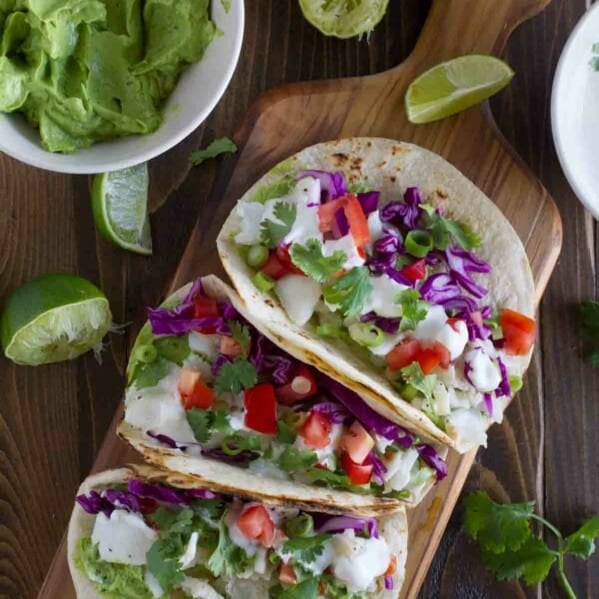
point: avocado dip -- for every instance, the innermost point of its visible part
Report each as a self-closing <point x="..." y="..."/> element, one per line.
<point x="83" y="71"/>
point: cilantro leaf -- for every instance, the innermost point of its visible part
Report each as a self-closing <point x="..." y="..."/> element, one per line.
<point x="328" y="478"/>
<point x="221" y="421"/>
<point x="151" y="374"/>
<point x="306" y="549"/>
<point x="200" y="422"/>
<point x="425" y="383"/>
<point x="241" y="334"/>
<point x="311" y="261"/>
<point x="358" y="188"/>
<point x="444" y="229"/>
<point x="278" y="189"/>
<point x="413" y="309"/>
<point x="235" y="376"/>
<point x="532" y="560"/>
<point x="165" y="569"/>
<point x="293" y="459"/>
<point x="238" y="442"/>
<point x="349" y="291"/>
<point x="285" y="433"/>
<point x="227" y="559"/>
<point x="307" y="589"/>
<point x="497" y="526"/>
<point x="222" y="145"/>
<point x="582" y="542"/>
<point x="210" y="509"/>
<point x="271" y="232"/>
<point x="588" y="329"/>
<point x="173" y="349"/>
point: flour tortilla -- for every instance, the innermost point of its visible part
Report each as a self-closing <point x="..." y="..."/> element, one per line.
<point x="393" y="527"/>
<point x="233" y="479"/>
<point x="390" y="167"/>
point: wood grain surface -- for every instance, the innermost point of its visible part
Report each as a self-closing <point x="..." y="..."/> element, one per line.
<point x="52" y="419"/>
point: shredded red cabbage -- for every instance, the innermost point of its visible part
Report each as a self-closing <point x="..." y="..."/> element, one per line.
<point x="504" y="389"/>
<point x="332" y="184"/>
<point x="342" y="523"/>
<point x="432" y="459"/>
<point x="388" y="325"/>
<point x="388" y="244"/>
<point x="166" y="440"/>
<point x="342" y="223"/>
<point x="462" y="262"/>
<point x="122" y="499"/>
<point x="439" y="289"/>
<point x="388" y="583"/>
<point x="168" y="494"/>
<point x="379" y="469"/>
<point x="369" y="200"/>
<point x="337" y="413"/>
<point x="398" y="277"/>
<point x="220" y="361"/>
<point x="94" y="503"/>
<point x="488" y="402"/>
<point x="282" y="368"/>
<point x="476" y="328"/>
<point x="259" y="348"/>
<point x="227" y="311"/>
<point x="406" y="213"/>
<point x="370" y="419"/>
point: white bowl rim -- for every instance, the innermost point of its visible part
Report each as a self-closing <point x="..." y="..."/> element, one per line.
<point x="558" y="81"/>
<point x="66" y="163"/>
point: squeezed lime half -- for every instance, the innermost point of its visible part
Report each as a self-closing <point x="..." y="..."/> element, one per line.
<point x="52" y="318"/>
<point x="453" y="86"/>
<point x="120" y="206"/>
<point x="344" y="18"/>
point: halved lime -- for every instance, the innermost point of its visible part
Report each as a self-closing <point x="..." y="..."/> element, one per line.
<point x="52" y="318"/>
<point x="120" y="205"/>
<point x="344" y="18"/>
<point x="455" y="85"/>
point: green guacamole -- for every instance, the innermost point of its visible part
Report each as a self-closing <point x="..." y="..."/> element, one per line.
<point x="83" y="71"/>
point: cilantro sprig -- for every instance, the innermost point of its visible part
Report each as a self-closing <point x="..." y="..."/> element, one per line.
<point x="349" y="291"/>
<point x="311" y="261"/>
<point x="241" y="334"/>
<point x="510" y="548"/>
<point x="413" y="309"/>
<point x="235" y="376"/>
<point x="444" y="229"/>
<point x="588" y="330"/>
<point x="306" y="549"/>
<point x="273" y="232"/>
<point x="425" y="383"/>
<point x="222" y="145"/>
<point x="204" y="422"/>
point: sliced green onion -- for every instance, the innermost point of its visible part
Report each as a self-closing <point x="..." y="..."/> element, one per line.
<point x="236" y="448"/>
<point x="515" y="383"/>
<point x="300" y="526"/>
<point x="257" y="256"/>
<point x="329" y="330"/>
<point x="366" y="333"/>
<point x="408" y="392"/>
<point x="418" y="243"/>
<point x="146" y="353"/>
<point x="263" y="282"/>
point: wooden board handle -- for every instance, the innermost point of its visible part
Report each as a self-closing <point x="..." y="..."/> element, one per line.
<point x="457" y="27"/>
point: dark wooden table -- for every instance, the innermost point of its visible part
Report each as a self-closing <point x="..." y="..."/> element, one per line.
<point x="53" y="418"/>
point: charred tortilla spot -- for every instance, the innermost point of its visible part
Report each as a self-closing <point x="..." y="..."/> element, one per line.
<point x="442" y="193"/>
<point x="339" y="158"/>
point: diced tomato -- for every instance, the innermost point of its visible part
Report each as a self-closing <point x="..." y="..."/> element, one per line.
<point x="147" y="505"/>
<point x="453" y="322"/>
<point x="431" y="357"/>
<point x="204" y="307"/>
<point x="358" y="224"/>
<point x="255" y="523"/>
<point x="415" y="271"/>
<point x="229" y="347"/>
<point x="287" y="574"/>
<point x="273" y="268"/>
<point x="261" y="409"/>
<point x="194" y="391"/>
<point x="392" y="568"/>
<point x="282" y="253"/>
<point x="403" y="354"/>
<point x="301" y="386"/>
<point x="326" y="214"/>
<point x="357" y="442"/>
<point x="315" y="430"/>
<point x="518" y="332"/>
<point x="359" y="474"/>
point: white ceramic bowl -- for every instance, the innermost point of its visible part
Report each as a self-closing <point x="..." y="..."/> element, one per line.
<point x="200" y="88"/>
<point x="575" y="111"/>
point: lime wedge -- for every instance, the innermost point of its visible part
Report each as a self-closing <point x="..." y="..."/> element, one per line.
<point x="344" y="18"/>
<point x="120" y="205"/>
<point x="455" y="85"/>
<point x="52" y="318"/>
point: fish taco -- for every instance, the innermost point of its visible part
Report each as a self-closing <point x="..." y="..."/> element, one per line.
<point x="145" y="533"/>
<point x="380" y="264"/>
<point x="210" y="396"/>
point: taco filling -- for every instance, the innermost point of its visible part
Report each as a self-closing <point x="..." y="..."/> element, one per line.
<point x="399" y="284"/>
<point x="204" y="382"/>
<point x="155" y="541"/>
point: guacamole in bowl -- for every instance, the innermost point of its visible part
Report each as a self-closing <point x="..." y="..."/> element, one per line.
<point x="82" y="79"/>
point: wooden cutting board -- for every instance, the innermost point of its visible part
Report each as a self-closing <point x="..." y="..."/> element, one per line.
<point x="289" y="118"/>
